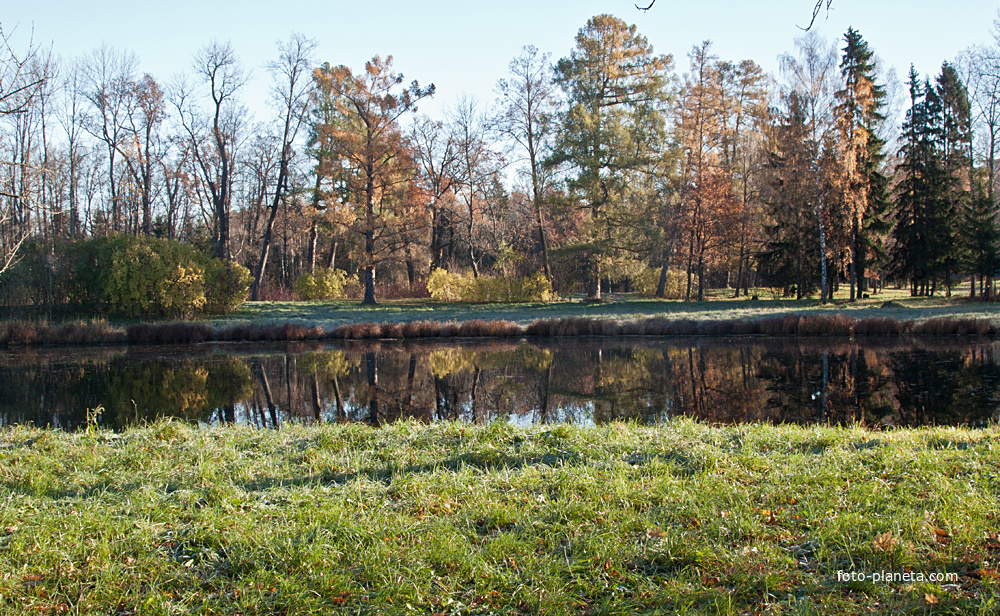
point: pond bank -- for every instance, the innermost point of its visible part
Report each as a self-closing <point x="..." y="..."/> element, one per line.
<point x="458" y="518"/>
<point x="22" y="333"/>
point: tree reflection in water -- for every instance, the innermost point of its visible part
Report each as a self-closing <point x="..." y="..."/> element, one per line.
<point x="595" y="380"/>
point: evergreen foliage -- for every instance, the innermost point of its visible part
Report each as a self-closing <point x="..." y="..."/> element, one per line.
<point x="612" y="130"/>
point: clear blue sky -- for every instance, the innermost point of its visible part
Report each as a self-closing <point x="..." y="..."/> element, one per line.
<point x="465" y="46"/>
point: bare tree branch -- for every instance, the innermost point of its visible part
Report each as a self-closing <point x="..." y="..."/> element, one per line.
<point x="816" y="11"/>
<point x="16" y="92"/>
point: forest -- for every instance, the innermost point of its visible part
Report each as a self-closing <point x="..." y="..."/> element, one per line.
<point x="612" y="168"/>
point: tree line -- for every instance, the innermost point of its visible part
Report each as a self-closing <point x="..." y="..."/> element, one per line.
<point x="606" y="169"/>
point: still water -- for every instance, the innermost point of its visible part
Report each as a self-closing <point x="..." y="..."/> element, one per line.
<point x="875" y="384"/>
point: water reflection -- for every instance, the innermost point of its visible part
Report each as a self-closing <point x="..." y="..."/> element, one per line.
<point x="594" y="381"/>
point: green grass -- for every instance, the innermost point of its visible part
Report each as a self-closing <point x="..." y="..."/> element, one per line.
<point x="331" y="314"/>
<point x="461" y="519"/>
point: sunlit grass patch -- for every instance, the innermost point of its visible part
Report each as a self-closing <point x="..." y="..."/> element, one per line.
<point x="458" y="518"/>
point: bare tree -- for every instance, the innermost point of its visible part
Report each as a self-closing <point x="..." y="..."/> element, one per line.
<point x="71" y="117"/>
<point x="109" y="77"/>
<point x="215" y="135"/>
<point x="17" y="83"/>
<point x="477" y="165"/>
<point x="435" y="153"/>
<point x="22" y="76"/>
<point x="528" y="108"/>
<point x="143" y="149"/>
<point x="291" y="93"/>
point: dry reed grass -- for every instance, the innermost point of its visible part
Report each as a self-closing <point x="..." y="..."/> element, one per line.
<point x="26" y="333"/>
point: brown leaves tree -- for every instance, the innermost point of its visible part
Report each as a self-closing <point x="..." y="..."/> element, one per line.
<point x="362" y="155"/>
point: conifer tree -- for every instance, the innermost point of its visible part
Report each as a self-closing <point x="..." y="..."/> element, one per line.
<point x="790" y="257"/>
<point x="922" y="241"/>
<point x="956" y="159"/>
<point x="616" y="87"/>
<point x="859" y="114"/>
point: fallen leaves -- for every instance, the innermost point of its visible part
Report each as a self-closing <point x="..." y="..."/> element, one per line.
<point x="885" y="542"/>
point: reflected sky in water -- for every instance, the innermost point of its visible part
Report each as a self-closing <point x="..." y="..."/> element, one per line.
<point x="726" y="381"/>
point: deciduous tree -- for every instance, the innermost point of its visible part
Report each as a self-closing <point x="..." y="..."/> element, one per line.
<point x="290" y="91"/>
<point x="527" y="117"/>
<point x="361" y="151"/>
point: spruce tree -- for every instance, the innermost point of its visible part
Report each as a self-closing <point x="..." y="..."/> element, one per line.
<point x="859" y="116"/>
<point x="790" y="256"/>
<point x="922" y="245"/>
<point x="956" y="160"/>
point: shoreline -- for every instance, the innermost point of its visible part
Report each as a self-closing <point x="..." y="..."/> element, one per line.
<point x="21" y="334"/>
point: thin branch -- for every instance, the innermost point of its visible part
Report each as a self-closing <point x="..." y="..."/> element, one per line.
<point x="816" y="11"/>
<point x="646" y="8"/>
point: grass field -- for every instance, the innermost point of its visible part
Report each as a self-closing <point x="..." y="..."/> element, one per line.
<point x="719" y="306"/>
<point x="462" y="519"/>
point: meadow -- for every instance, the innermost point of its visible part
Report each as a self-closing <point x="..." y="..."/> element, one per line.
<point x="452" y="518"/>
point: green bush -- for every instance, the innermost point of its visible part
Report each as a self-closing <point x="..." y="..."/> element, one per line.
<point x="453" y="287"/>
<point x="324" y="284"/>
<point x="138" y="276"/>
<point x="226" y="286"/>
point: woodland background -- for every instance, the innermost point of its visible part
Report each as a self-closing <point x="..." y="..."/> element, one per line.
<point x="611" y="168"/>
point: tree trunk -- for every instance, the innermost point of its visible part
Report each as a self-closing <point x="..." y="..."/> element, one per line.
<point x="369" y="268"/>
<point x="332" y="259"/>
<point x="265" y="248"/>
<point x="594" y="290"/>
<point x="311" y="255"/>
<point x="661" y="286"/>
<point x="541" y="239"/>
<point x="854" y="258"/>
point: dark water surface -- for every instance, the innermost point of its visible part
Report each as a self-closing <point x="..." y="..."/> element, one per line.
<point x="582" y="381"/>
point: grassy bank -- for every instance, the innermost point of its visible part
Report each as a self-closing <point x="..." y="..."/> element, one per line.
<point x="460" y="519"/>
<point x="331" y="314"/>
<point x="888" y="315"/>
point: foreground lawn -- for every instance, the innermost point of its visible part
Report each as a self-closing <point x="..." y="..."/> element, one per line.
<point x="461" y="519"/>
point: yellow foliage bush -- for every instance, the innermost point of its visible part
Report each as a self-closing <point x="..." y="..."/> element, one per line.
<point x="649" y="278"/>
<point x="445" y="286"/>
<point x="324" y="284"/>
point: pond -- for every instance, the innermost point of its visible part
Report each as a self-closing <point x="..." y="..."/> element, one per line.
<point x="587" y="381"/>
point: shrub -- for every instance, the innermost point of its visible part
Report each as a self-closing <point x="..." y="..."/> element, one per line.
<point x="146" y="277"/>
<point x="226" y="286"/>
<point x="324" y="284"/>
<point x="452" y="287"/>
<point x="125" y="275"/>
<point x="646" y="282"/>
<point x="445" y="286"/>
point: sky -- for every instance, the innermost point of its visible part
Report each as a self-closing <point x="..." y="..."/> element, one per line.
<point x="464" y="47"/>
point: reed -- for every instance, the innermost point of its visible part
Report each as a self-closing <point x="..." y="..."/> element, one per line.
<point x="954" y="327"/>
<point x="169" y="333"/>
<point x="881" y="326"/>
<point x="27" y="333"/>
